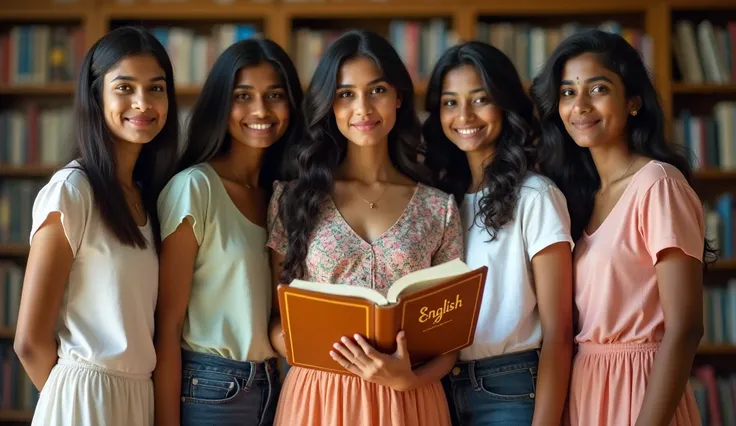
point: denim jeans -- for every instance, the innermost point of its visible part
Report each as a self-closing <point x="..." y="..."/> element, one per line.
<point x="494" y="391"/>
<point x="220" y="391"/>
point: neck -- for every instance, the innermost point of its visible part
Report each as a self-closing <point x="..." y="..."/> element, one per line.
<point x="243" y="164"/>
<point x="611" y="161"/>
<point x="367" y="164"/>
<point x="477" y="161"/>
<point x="126" y="155"/>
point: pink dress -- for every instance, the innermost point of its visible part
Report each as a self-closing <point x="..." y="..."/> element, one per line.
<point x="620" y="317"/>
<point x="427" y="233"/>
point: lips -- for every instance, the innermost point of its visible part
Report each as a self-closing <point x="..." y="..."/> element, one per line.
<point x="259" y="126"/>
<point x="365" y="126"/>
<point x="140" y="120"/>
<point x="468" y="132"/>
<point x="585" y="123"/>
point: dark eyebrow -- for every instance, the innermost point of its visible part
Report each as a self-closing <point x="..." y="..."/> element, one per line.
<point x="129" y="78"/>
<point x="248" y="87"/>
<point x="590" y="80"/>
<point x="370" y="83"/>
<point x="480" y="89"/>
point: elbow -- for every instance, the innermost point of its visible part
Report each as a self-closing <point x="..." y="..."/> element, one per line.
<point x="26" y="348"/>
<point x="688" y="334"/>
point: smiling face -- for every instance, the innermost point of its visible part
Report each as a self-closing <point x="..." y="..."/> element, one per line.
<point x="593" y="103"/>
<point x="365" y="104"/>
<point x="469" y="118"/>
<point x="134" y="99"/>
<point x="259" y="113"/>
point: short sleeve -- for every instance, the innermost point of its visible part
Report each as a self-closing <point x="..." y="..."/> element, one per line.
<point x="277" y="239"/>
<point x="546" y="221"/>
<point x="451" y="246"/>
<point x="671" y="216"/>
<point x="63" y="197"/>
<point x="186" y="196"/>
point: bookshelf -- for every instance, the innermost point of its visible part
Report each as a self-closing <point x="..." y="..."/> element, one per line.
<point x="282" y="21"/>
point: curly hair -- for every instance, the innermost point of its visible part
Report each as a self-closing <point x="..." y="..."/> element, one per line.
<point x="514" y="150"/>
<point x="316" y="157"/>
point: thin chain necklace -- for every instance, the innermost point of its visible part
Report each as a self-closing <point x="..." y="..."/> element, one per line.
<point x="623" y="175"/>
<point x="372" y="204"/>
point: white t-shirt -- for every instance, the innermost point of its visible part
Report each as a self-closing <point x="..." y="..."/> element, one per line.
<point x="106" y="316"/>
<point x="509" y="318"/>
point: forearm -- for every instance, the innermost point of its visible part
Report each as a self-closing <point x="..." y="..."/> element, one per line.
<point x="668" y="378"/>
<point x="167" y="380"/>
<point x="552" y="382"/>
<point x="37" y="358"/>
<point x="433" y="371"/>
<point x="276" y="336"/>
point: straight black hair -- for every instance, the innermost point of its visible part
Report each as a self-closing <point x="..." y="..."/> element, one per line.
<point x="208" y="136"/>
<point x="94" y="145"/>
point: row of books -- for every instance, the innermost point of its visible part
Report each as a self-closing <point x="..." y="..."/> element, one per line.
<point x="17" y="391"/>
<point x="40" y="54"/>
<point x="16" y="205"/>
<point x="719" y="225"/>
<point x="529" y="46"/>
<point x="715" y="396"/>
<point x="705" y="53"/>
<point x="11" y="282"/>
<point x="35" y="135"/>
<point x="419" y="45"/>
<point x="710" y="140"/>
<point x="193" y="54"/>
<point x="719" y="314"/>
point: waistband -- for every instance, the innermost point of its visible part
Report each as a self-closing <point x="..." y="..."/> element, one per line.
<point x="94" y="367"/>
<point x="243" y="369"/>
<point x="495" y="365"/>
<point x="612" y="348"/>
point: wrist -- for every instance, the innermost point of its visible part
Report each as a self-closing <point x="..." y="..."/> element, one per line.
<point x="407" y="382"/>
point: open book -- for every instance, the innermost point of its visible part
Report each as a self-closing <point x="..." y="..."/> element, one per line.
<point x="436" y="307"/>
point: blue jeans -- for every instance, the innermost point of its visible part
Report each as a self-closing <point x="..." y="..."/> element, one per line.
<point x="494" y="391"/>
<point x="220" y="391"/>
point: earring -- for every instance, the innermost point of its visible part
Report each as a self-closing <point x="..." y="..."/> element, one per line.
<point x="634" y="112"/>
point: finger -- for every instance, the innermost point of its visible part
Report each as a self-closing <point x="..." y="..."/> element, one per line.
<point x="358" y="355"/>
<point x="402" y="349"/>
<point x="348" y="354"/>
<point x="369" y="350"/>
<point x="344" y="363"/>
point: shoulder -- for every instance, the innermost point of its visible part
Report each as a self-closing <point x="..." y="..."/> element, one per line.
<point x="199" y="173"/>
<point x="431" y="194"/>
<point x="536" y="186"/>
<point x="435" y="203"/>
<point x="657" y="172"/>
<point x="72" y="178"/>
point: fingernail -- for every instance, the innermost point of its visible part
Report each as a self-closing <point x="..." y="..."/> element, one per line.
<point x="357" y="336"/>
<point x="336" y="345"/>
<point x="332" y="354"/>
<point x="345" y="339"/>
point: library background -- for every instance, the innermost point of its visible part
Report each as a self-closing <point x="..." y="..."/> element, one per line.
<point x="689" y="46"/>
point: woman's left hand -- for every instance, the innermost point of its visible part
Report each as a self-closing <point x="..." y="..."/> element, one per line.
<point x="363" y="360"/>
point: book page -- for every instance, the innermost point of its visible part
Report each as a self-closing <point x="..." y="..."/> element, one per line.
<point x="424" y="278"/>
<point x="342" y="290"/>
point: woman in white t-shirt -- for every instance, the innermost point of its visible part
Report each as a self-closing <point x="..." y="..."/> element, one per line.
<point x="479" y="134"/>
<point x="85" y="327"/>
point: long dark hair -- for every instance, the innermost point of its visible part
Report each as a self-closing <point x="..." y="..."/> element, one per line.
<point x="95" y="145"/>
<point x="571" y="166"/>
<point x="515" y="154"/>
<point x="208" y="136"/>
<point x="323" y="149"/>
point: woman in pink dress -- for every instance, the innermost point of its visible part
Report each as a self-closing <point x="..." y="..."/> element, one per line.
<point x="640" y="235"/>
<point x="360" y="213"/>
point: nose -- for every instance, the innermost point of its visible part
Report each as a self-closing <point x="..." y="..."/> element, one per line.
<point x="258" y="107"/>
<point x="363" y="105"/>
<point x="582" y="104"/>
<point x="141" y="101"/>
<point x="466" y="113"/>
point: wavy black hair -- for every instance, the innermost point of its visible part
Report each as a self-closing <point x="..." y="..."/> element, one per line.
<point x="208" y="136"/>
<point x="515" y="153"/>
<point x="322" y="150"/>
<point x="570" y="166"/>
<point x="94" y="145"/>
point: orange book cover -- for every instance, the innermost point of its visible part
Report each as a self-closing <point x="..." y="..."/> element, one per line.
<point x="436" y="307"/>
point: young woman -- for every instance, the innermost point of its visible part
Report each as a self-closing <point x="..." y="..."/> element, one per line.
<point x="639" y="231"/>
<point x="216" y="363"/>
<point x="479" y="136"/>
<point x="86" y="321"/>
<point x="360" y="194"/>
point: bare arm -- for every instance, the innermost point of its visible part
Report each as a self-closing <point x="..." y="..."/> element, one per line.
<point x="275" y="329"/>
<point x="178" y="253"/>
<point x="552" y="269"/>
<point x="47" y="272"/>
<point x="680" y="284"/>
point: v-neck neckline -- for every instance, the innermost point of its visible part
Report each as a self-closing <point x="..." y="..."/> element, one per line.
<point x="230" y="200"/>
<point x="384" y="233"/>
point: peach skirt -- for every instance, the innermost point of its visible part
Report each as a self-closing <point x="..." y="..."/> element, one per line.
<point x="317" y="398"/>
<point x="608" y="385"/>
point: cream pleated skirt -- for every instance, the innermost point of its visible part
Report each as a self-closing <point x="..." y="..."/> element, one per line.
<point x="82" y="394"/>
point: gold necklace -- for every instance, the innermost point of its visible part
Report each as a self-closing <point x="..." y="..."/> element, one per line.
<point x="372" y="204"/>
<point x="623" y="175"/>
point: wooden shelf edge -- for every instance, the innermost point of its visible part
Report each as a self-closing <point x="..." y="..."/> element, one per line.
<point x="7" y="332"/>
<point x="367" y="10"/>
<point x="560" y="8"/>
<point x="704" y="88"/>
<point x="14" y="250"/>
<point x="724" y="265"/>
<point x="36" y="89"/>
<point x="234" y="13"/>
<point x="65" y="13"/>
<point x="16" y="415"/>
<point x="714" y="174"/>
<point x="708" y="349"/>
<point x="26" y="171"/>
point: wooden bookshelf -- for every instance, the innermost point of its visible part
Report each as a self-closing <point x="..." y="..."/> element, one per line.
<point x="705" y="88"/>
<point x="729" y="350"/>
<point x="14" y="250"/>
<point x="26" y="171"/>
<point x="43" y="90"/>
<point x="16" y="416"/>
<point x="7" y="332"/>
